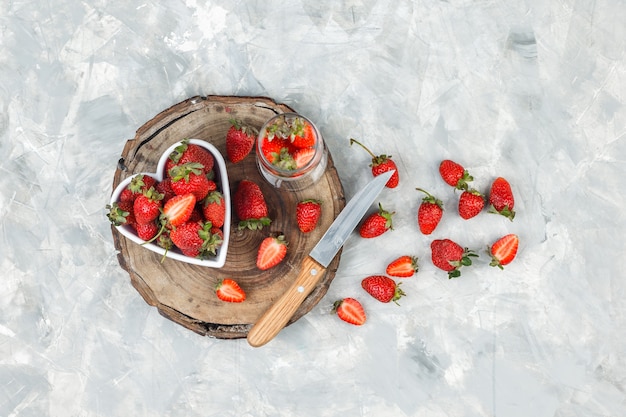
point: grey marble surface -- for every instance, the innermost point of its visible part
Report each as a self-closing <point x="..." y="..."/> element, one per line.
<point x="530" y="90"/>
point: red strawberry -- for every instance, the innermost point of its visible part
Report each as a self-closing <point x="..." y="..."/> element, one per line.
<point x="178" y="209"/>
<point x="121" y="213"/>
<point x="147" y="206"/>
<point x="403" y="267"/>
<point x="382" y="288"/>
<point x="189" y="178"/>
<point x="165" y="188"/>
<point x="302" y="134"/>
<point x="271" y="252"/>
<point x="195" y="239"/>
<point x="146" y="231"/>
<point x="272" y="148"/>
<point x="450" y="256"/>
<point x="228" y="290"/>
<point x="190" y="152"/>
<point x="503" y="251"/>
<point x="381" y="164"/>
<point x="350" y="311"/>
<point x="303" y="156"/>
<point x="196" y="215"/>
<point x="308" y="213"/>
<point x="471" y="202"/>
<point x="454" y="174"/>
<point x="239" y="140"/>
<point x="429" y="213"/>
<point x="501" y="198"/>
<point x="187" y="236"/>
<point x="250" y="206"/>
<point x="127" y="195"/>
<point x="214" y="209"/>
<point x="139" y="184"/>
<point x="376" y="223"/>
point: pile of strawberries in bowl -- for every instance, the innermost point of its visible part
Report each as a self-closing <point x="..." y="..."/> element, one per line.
<point x="183" y="210"/>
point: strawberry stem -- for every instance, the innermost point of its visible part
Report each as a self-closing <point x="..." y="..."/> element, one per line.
<point x="362" y="146"/>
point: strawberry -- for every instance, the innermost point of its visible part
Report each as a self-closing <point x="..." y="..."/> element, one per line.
<point x="382" y="288"/>
<point x="195" y="239"/>
<point x="121" y="213"/>
<point x="187" y="236"/>
<point x="127" y="195"/>
<point x="239" y="140"/>
<point x="376" y="223"/>
<point x="503" y="251"/>
<point x="454" y="174"/>
<point x="450" y="256"/>
<point x="165" y="188"/>
<point x="146" y="231"/>
<point x="302" y="134"/>
<point x="303" y="156"/>
<point x="471" y="202"/>
<point x="139" y="184"/>
<point x="350" y="311"/>
<point x="178" y="209"/>
<point x="429" y="213"/>
<point x="214" y="209"/>
<point x="381" y="164"/>
<point x="189" y="178"/>
<point x="403" y="267"/>
<point x="190" y="152"/>
<point x="271" y="252"/>
<point x="147" y="206"/>
<point x="250" y="206"/>
<point x="228" y="290"/>
<point x="273" y="148"/>
<point x="501" y="198"/>
<point x="308" y="213"/>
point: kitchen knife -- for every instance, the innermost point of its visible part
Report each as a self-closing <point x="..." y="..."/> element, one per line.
<point x="315" y="264"/>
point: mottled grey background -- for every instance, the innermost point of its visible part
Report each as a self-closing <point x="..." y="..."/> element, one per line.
<point x="530" y="90"/>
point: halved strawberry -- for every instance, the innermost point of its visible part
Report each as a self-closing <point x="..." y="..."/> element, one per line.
<point x="403" y="267"/>
<point x="228" y="290"/>
<point x="178" y="209"/>
<point x="303" y="156"/>
<point x="271" y="252"/>
<point x="350" y="311"/>
<point x="503" y="251"/>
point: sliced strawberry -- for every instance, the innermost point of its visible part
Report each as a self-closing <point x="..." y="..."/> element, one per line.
<point x="271" y="252"/>
<point x="228" y="290"/>
<point x="350" y="311"/>
<point x="402" y="267"/>
<point x="504" y="250"/>
<point x="178" y="209"/>
<point x="303" y="156"/>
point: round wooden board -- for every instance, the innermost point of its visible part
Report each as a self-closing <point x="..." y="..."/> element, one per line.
<point x="184" y="293"/>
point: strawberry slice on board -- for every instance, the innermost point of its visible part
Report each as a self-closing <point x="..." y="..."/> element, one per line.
<point x="228" y="290"/>
<point x="271" y="252"/>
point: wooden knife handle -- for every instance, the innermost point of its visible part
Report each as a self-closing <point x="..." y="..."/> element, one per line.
<point x="277" y="316"/>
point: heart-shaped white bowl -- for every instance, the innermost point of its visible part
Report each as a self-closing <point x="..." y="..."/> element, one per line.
<point x="220" y="169"/>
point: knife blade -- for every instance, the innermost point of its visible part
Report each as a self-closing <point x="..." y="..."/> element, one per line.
<point x="314" y="265"/>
